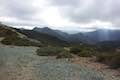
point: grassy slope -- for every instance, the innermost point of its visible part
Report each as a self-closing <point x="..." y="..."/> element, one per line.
<point x="11" y="37"/>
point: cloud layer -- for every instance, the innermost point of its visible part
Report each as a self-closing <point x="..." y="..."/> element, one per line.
<point x="61" y="14"/>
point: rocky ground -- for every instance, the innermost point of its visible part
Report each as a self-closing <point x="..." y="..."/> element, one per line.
<point x="22" y="63"/>
<point x="109" y="74"/>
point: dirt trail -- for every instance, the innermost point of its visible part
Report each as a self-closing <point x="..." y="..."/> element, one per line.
<point x="110" y="74"/>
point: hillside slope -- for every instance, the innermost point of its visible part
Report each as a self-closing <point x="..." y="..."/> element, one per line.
<point x="44" y="38"/>
<point x="12" y="37"/>
<point x="55" y="33"/>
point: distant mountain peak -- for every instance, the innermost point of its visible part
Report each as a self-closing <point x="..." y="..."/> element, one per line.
<point x="42" y="29"/>
<point x="56" y="33"/>
<point x="46" y="28"/>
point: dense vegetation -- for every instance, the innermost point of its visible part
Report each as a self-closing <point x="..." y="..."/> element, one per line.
<point x="17" y="41"/>
<point x="64" y="54"/>
<point x="49" y="51"/>
<point x="103" y="54"/>
<point x="59" y="52"/>
<point x="112" y="59"/>
<point x="83" y="50"/>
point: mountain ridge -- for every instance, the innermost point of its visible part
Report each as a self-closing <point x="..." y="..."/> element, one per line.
<point x="99" y="35"/>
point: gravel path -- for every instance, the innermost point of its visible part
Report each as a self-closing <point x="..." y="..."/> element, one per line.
<point x="22" y="63"/>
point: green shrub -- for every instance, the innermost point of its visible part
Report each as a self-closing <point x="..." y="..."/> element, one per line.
<point x="49" y="51"/>
<point x="112" y="59"/>
<point x="17" y="41"/>
<point x="85" y="53"/>
<point x="75" y="50"/>
<point x="64" y="54"/>
<point x="103" y="57"/>
<point x="115" y="61"/>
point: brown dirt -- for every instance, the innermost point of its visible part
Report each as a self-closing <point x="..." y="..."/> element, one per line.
<point x="110" y="74"/>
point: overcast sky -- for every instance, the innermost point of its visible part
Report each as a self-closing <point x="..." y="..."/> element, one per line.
<point x="77" y="15"/>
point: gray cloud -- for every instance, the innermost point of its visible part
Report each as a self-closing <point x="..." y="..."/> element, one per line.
<point x="24" y="13"/>
<point x="18" y="8"/>
<point x="87" y="10"/>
